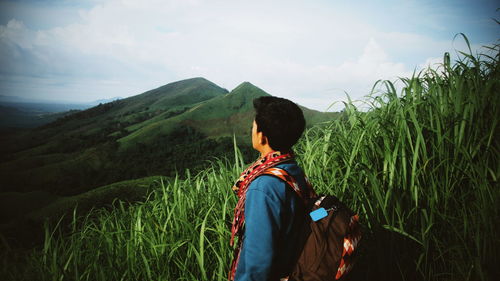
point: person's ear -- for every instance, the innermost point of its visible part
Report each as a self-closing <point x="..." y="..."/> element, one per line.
<point x="263" y="139"/>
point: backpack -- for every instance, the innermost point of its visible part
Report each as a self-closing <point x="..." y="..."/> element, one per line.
<point x="330" y="235"/>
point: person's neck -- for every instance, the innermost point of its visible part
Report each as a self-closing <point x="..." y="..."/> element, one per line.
<point x="265" y="150"/>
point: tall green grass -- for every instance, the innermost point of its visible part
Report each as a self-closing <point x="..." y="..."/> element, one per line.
<point x="421" y="167"/>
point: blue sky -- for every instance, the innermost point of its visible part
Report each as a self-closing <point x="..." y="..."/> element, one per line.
<point x="312" y="52"/>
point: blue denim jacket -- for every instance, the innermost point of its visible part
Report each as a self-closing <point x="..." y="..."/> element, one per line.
<point x="273" y="216"/>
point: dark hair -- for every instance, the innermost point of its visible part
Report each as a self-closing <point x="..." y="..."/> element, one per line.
<point x="281" y="121"/>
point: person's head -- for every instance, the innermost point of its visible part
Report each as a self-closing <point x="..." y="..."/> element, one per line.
<point x="278" y="123"/>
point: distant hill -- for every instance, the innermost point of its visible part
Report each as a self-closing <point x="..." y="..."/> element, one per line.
<point x="31" y="115"/>
<point x="97" y="102"/>
<point x="132" y="113"/>
<point x="160" y="132"/>
<point x="22" y="112"/>
<point x="16" y="112"/>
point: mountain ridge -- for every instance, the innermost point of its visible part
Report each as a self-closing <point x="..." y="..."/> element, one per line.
<point x="162" y="131"/>
<point x="220" y="116"/>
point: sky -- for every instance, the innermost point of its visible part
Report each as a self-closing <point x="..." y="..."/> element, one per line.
<point x="314" y="52"/>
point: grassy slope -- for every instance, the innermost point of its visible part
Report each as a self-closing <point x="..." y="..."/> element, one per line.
<point x="23" y="215"/>
<point x="77" y="140"/>
<point x="79" y="144"/>
<point x="421" y="168"/>
<point x="225" y="115"/>
<point x="75" y="145"/>
<point x="14" y="205"/>
<point x="40" y="205"/>
<point x="129" y="190"/>
<point x="209" y="119"/>
<point x="111" y="117"/>
<point x="220" y="116"/>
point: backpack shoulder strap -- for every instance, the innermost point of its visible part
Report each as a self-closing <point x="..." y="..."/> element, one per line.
<point x="283" y="175"/>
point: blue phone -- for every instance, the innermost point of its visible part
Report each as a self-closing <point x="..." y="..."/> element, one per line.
<point x="318" y="214"/>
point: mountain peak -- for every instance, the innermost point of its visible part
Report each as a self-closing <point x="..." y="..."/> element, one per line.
<point x="187" y="91"/>
<point x="245" y="84"/>
<point x="248" y="89"/>
<point x="190" y="81"/>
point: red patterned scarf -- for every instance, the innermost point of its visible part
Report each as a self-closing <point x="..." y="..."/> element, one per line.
<point x="240" y="187"/>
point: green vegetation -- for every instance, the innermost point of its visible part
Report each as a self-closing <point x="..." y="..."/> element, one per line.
<point x="79" y="152"/>
<point x="170" y="155"/>
<point x="161" y="132"/>
<point x="14" y="205"/>
<point x="23" y="214"/>
<point x="130" y="191"/>
<point x="421" y="167"/>
<point x="222" y="116"/>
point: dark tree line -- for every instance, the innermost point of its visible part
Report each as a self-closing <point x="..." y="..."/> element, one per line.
<point x="98" y="160"/>
<point x="184" y="148"/>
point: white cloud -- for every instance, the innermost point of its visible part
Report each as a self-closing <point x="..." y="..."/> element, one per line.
<point x="373" y="64"/>
<point x="433" y="63"/>
<point x="308" y="51"/>
<point x="328" y="84"/>
<point x="15" y="33"/>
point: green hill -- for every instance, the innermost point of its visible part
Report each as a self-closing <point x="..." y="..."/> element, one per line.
<point x="223" y="116"/>
<point x="232" y="114"/>
<point x="114" y="119"/>
<point x="160" y="132"/>
<point x="75" y="153"/>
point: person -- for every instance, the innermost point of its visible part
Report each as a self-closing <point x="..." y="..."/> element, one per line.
<point x="267" y="217"/>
